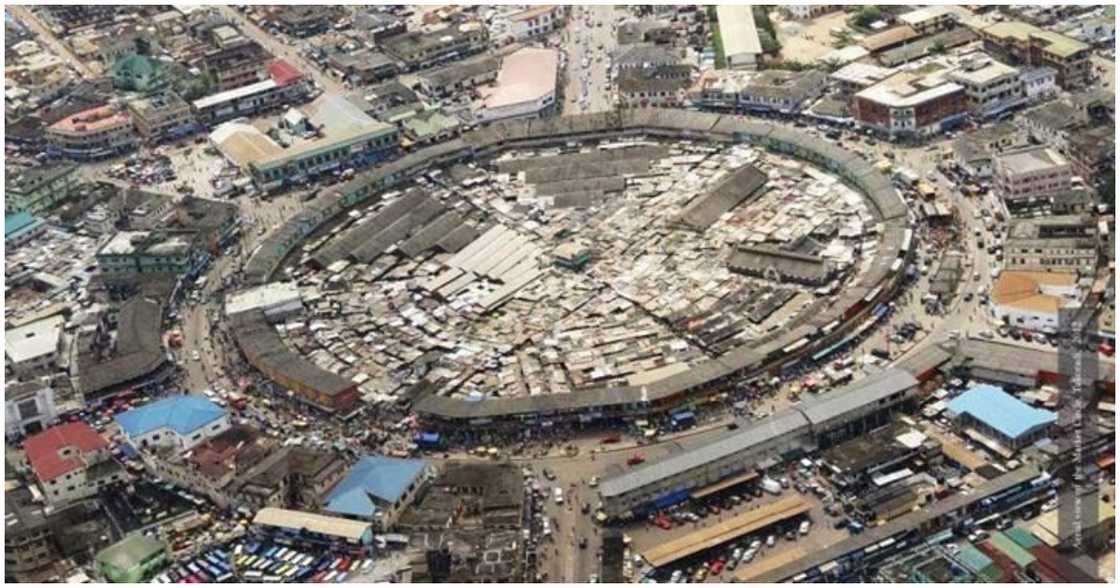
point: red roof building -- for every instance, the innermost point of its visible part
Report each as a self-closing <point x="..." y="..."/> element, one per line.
<point x="62" y="449"/>
<point x="284" y="73"/>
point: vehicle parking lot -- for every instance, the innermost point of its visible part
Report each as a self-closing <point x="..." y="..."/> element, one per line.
<point x="722" y="561"/>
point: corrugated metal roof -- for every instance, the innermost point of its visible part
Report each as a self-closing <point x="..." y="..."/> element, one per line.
<point x="1011" y="549"/>
<point x="1001" y="411"/>
<point x="862" y="393"/>
<point x="741" y="441"/>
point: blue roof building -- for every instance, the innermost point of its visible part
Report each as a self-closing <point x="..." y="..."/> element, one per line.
<point x="1001" y="417"/>
<point x="377" y="489"/>
<point x="182" y="421"/>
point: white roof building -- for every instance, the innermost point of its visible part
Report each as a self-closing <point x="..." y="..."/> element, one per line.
<point x="741" y="45"/>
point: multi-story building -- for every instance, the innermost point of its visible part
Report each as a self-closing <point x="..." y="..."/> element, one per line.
<point x="378" y="489"/>
<point x="459" y="77"/>
<point x="1053" y="244"/>
<point x="1025" y="44"/>
<point x="285" y="86"/>
<point x="29" y="542"/>
<point x="931" y="19"/>
<point x="660" y="86"/>
<point x="858" y="76"/>
<point x="809" y="11"/>
<point x="782" y="91"/>
<point x="908" y="104"/>
<point x="990" y="86"/>
<point x="162" y="117"/>
<point x="93" y="134"/>
<point x="525" y="86"/>
<point x="20" y="228"/>
<point x="32" y="350"/>
<point x="1093" y="154"/>
<point x="420" y="50"/>
<point x="537" y="20"/>
<point x="180" y="422"/>
<point x="363" y="67"/>
<point x="28" y="409"/>
<point x="71" y="462"/>
<point x="1039" y="83"/>
<point x="1030" y="173"/>
<point x="38" y="189"/>
<point x="130" y="253"/>
<point x="215" y="221"/>
<point x="975" y="152"/>
<point x="1033" y="300"/>
<point x="1053" y="123"/>
<point x="236" y="66"/>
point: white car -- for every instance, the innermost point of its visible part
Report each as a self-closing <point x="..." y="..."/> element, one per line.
<point x="195" y="355"/>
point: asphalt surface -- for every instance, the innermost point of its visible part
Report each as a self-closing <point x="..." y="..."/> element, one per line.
<point x="589" y="37"/>
<point x="27" y="17"/>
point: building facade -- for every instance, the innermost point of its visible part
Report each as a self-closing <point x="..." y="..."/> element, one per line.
<point x="28" y="409"/>
<point x="93" y="134"/>
<point x="1026" y="44"/>
<point x="71" y="462"/>
<point x="38" y="189"/>
<point x="162" y="117"/>
<point x="1030" y="173"/>
<point x="903" y="106"/>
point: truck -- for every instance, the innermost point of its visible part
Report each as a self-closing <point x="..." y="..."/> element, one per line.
<point x="771" y="485"/>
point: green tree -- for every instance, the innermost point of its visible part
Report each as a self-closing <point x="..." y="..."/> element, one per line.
<point x="868" y="15"/>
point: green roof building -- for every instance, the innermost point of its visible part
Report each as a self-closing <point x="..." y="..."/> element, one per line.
<point x="140" y="73"/>
<point x="136" y="558"/>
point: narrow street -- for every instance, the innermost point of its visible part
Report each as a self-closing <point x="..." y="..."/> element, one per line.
<point x="591" y="40"/>
<point x="289" y="52"/>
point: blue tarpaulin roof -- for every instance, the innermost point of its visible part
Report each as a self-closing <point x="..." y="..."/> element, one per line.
<point x="373" y="477"/>
<point x="1001" y="411"/>
<point x="183" y="414"/>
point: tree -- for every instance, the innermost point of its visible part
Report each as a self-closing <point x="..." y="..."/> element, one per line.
<point x="868" y="15"/>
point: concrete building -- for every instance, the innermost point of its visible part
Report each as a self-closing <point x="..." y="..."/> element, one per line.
<point x="162" y="117"/>
<point x="537" y="20"/>
<point x="460" y="77"/>
<point x="39" y="188"/>
<point x="990" y="86"/>
<point x="20" y="228"/>
<point x="71" y="462"/>
<point x="418" y="50"/>
<point x="285" y="86"/>
<point x="809" y="11"/>
<point x="277" y="300"/>
<point x="136" y="558"/>
<point x="362" y="67"/>
<point x="987" y="414"/>
<point x="1053" y="244"/>
<point x="178" y="421"/>
<point x="908" y="104"/>
<point x="1053" y="123"/>
<point x="1030" y="173"/>
<point x="1093" y="154"/>
<point x="28" y="409"/>
<point x="856" y="77"/>
<point x="782" y="91"/>
<point x="932" y="19"/>
<point x="236" y="66"/>
<point x="129" y="253"/>
<point x="378" y="489"/>
<point x="1032" y="300"/>
<point x="348" y="138"/>
<point x="93" y="134"/>
<point x="1025" y="44"/>
<point x="33" y="349"/>
<point x="654" y="87"/>
<point x="525" y="87"/>
<point x="741" y="46"/>
<point x="1039" y="83"/>
<point x="975" y="152"/>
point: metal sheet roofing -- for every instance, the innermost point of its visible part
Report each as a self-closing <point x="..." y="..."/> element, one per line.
<point x="1001" y="411"/>
<point x="741" y="441"/>
<point x="868" y="391"/>
<point x="384" y="478"/>
<point x="182" y="414"/>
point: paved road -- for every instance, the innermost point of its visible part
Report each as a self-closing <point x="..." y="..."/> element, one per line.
<point x="284" y="49"/>
<point x="590" y="35"/>
<point x="48" y="38"/>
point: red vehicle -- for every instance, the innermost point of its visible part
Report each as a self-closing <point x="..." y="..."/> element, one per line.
<point x="611" y="439"/>
<point x="1106" y="349"/>
<point x="345" y="565"/>
<point x="663" y="522"/>
<point x="713" y="509"/>
<point x="716" y="567"/>
<point x="636" y="459"/>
